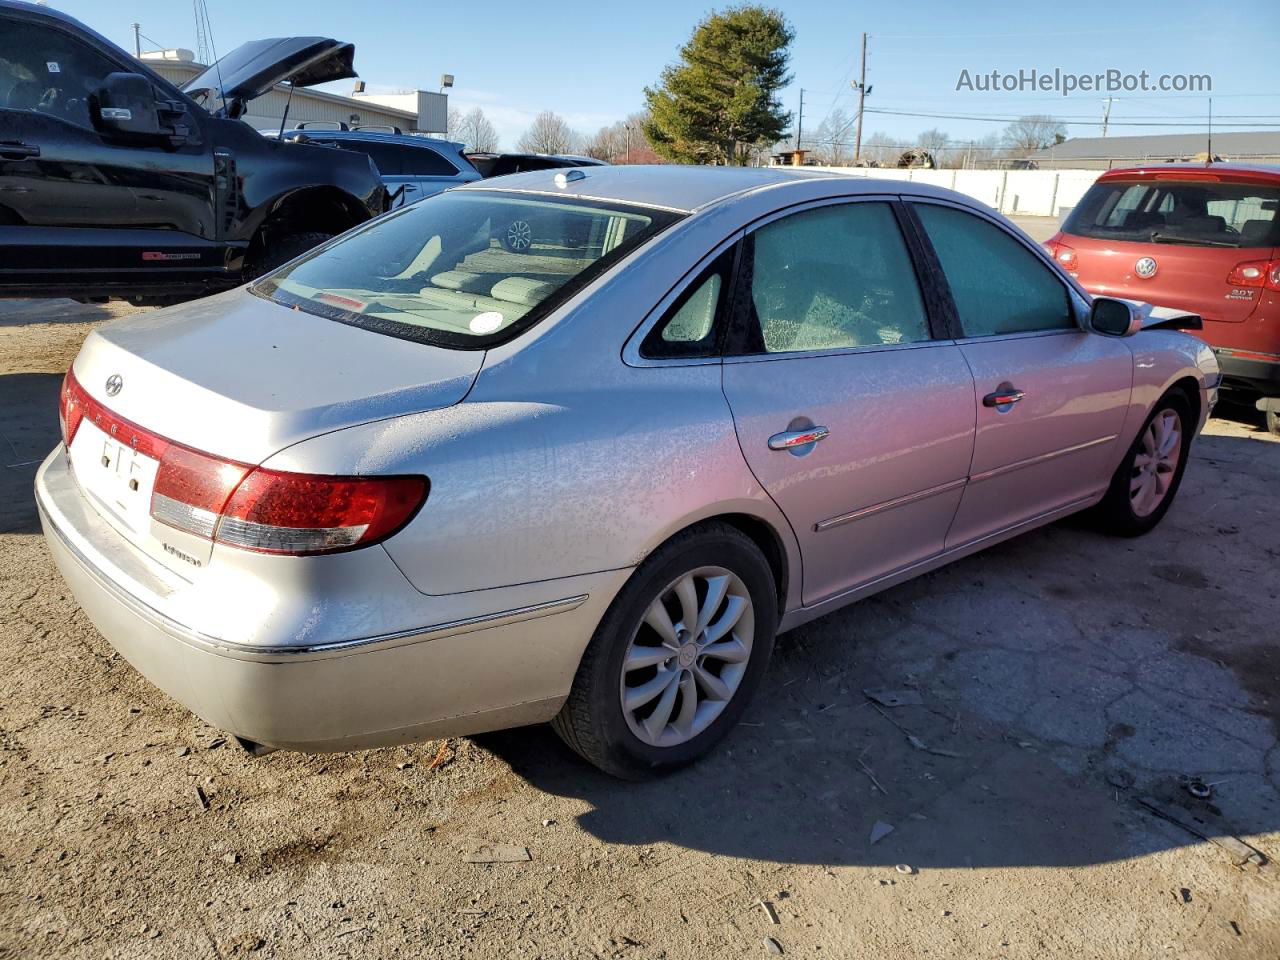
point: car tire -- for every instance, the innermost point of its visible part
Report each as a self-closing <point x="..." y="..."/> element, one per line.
<point x="283" y="250"/>
<point x="638" y="743"/>
<point x="518" y="237"/>
<point x="1147" y="480"/>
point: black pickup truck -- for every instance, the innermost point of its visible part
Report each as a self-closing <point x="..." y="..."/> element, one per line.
<point x="115" y="183"/>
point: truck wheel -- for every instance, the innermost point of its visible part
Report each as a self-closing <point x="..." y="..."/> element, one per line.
<point x="281" y="251"/>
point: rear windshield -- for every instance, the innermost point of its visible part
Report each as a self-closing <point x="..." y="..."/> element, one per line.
<point x="1193" y="213"/>
<point x="463" y="269"/>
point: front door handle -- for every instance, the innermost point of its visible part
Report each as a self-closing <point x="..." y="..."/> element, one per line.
<point x="790" y="439"/>
<point x="18" y="151"/>
<point x="1003" y="397"/>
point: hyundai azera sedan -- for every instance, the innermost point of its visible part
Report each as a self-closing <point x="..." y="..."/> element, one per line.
<point x="415" y="484"/>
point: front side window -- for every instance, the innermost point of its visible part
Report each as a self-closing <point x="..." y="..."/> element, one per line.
<point x="446" y="271"/>
<point x="831" y="278"/>
<point x="46" y="71"/>
<point x="1198" y="213"/>
<point x="998" y="285"/>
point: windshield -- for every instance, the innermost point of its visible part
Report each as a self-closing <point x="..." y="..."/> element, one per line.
<point x="464" y="268"/>
<point x="1190" y="212"/>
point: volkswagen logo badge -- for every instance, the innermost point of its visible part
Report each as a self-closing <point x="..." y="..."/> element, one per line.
<point x="114" y="383"/>
<point x="1145" y="268"/>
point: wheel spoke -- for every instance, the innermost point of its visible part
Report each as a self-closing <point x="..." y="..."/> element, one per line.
<point x="733" y="611"/>
<point x="714" y="687"/>
<point x="640" y="657"/>
<point x="683" y="722"/>
<point x="637" y="697"/>
<point x="687" y="591"/>
<point x="658" y="618"/>
<point x="657" y="721"/>
<point x="716" y="589"/>
<point x="730" y="651"/>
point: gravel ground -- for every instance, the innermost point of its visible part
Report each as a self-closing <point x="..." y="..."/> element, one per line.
<point x="1064" y="677"/>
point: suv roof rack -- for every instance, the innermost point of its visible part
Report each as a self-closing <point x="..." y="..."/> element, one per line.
<point x="327" y="125"/>
<point x="384" y="127"/>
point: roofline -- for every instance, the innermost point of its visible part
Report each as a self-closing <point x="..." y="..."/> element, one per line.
<point x="1228" y="172"/>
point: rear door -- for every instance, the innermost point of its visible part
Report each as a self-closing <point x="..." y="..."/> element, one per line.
<point x="1050" y="397"/>
<point x="850" y="411"/>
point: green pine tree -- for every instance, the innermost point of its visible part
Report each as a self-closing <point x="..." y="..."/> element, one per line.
<point x="722" y="97"/>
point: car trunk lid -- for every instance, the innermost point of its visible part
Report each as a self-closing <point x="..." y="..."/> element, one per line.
<point x="240" y="378"/>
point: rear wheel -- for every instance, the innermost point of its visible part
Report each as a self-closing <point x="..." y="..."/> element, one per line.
<point x="518" y="237"/>
<point x="677" y="657"/>
<point x="1147" y="480"/>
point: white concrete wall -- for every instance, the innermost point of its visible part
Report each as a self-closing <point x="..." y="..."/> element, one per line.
<point x="1028" y="193"/>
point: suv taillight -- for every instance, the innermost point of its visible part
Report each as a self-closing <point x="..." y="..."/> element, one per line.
<point x="269" y="511"/>
<point x="1065" y="255"/>
<point x="1255" y="273"/>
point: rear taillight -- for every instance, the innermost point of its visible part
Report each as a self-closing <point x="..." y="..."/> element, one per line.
<point x="241" y="505"/>
<point x="1255" y="273"/>
<point x="1065" y="255"/>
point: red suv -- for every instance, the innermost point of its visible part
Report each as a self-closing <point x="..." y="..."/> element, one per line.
<point x="1202" y="238"/>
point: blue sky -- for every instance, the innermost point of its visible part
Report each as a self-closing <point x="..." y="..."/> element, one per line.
<point x="589" y="61"/>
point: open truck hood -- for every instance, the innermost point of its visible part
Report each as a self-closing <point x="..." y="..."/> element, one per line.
<point x="252" y="69"/>
<point x="241" y="377"/>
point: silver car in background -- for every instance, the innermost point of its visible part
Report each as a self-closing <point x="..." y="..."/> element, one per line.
<point x="417" y="484"/>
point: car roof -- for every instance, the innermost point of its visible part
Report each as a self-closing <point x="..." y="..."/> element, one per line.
<point x="1232" y="172"/>
<point x="324" y="133"/>
<point x="686" y="189"/>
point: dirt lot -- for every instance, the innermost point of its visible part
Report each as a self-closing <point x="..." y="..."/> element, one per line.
<point x="1064" y="677"/>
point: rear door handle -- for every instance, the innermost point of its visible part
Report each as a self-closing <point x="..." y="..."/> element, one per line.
<point x="1002" y="397"/>
<point x="790" y="439"/>
<point x="17" y="151"/>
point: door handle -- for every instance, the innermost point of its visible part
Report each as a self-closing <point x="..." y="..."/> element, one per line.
<point x="790" y="439"/>
<point x="1003" y="397"/>
<point x="17" y="151"/>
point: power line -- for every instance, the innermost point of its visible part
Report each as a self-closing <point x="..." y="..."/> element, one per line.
<point x="1072" y="123"/>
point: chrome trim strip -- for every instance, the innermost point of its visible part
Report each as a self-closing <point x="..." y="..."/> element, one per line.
<point x="254" y="651"/>
<point x="887" y="505"/>
<point x="1042" y="458"/>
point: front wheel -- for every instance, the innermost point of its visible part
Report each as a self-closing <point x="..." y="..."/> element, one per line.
<point x="676" y="658"/>
<point x="1147" y="480"/>
<point x="281" y="251"/>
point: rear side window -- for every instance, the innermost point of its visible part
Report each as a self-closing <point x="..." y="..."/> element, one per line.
<point x="690" y="327"/>
<point x="425" y="162"/>
<point x="831" y="278"/>
<point x="998" y="285"/>
<point x="1188" y="212"/>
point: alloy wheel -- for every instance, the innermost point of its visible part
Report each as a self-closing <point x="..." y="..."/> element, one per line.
<point x="520" y="235"/>
<point x="687" y="657"/>
<point x="1155" y="463"/>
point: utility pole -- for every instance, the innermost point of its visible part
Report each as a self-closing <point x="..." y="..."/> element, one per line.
<point x="863" y="90"/>
<point x="137" y="40"/>
<point x="800" y="121"/>
<point x="1106" y="114"/>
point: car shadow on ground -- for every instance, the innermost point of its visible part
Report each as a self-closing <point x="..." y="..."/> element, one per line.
<point x="28" y="431"/>
<point x="16" y="313"/>
<point x="1064" y="678"/>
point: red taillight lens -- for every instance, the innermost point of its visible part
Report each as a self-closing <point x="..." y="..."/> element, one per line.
<point x="277" y="512"/>
<point x="250" y="507"/>
<point x="1064" y="254"/>
<point x="1255" y="273"/>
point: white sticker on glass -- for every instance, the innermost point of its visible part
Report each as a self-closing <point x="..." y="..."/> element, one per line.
<point x="486" y="322"/>
<point x="52" y="66"/>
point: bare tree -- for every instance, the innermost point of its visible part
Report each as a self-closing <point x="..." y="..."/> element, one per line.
<point x="982" y="153"/>
<point x="476" y="132"/>
<point x="609" y="143"/>
<point x="832" y="143"/>
<point x="933" y="141"/>
<point x="880" y="149"/>
<point x="1028" y="134"/>
<point x="451" y="123"/>
<point x="549" y="133"/>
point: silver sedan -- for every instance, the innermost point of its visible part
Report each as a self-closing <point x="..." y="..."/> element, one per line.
<point x="418" y="484"/>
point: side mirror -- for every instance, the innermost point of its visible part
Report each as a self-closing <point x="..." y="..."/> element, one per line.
<point x="1115" y="318"/>
<point x="127" y="106"/>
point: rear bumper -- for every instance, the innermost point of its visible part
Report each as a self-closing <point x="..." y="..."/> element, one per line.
<point x="1249" y="372"/>
<point x="503" y="666"/>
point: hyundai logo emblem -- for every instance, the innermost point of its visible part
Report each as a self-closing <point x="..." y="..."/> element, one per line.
<point x="1145" y="268"/>
<point x="114" y="383"/>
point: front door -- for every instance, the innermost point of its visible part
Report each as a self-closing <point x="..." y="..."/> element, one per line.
<point x="855" y="419"/>
<point x="1050" y="398"/>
